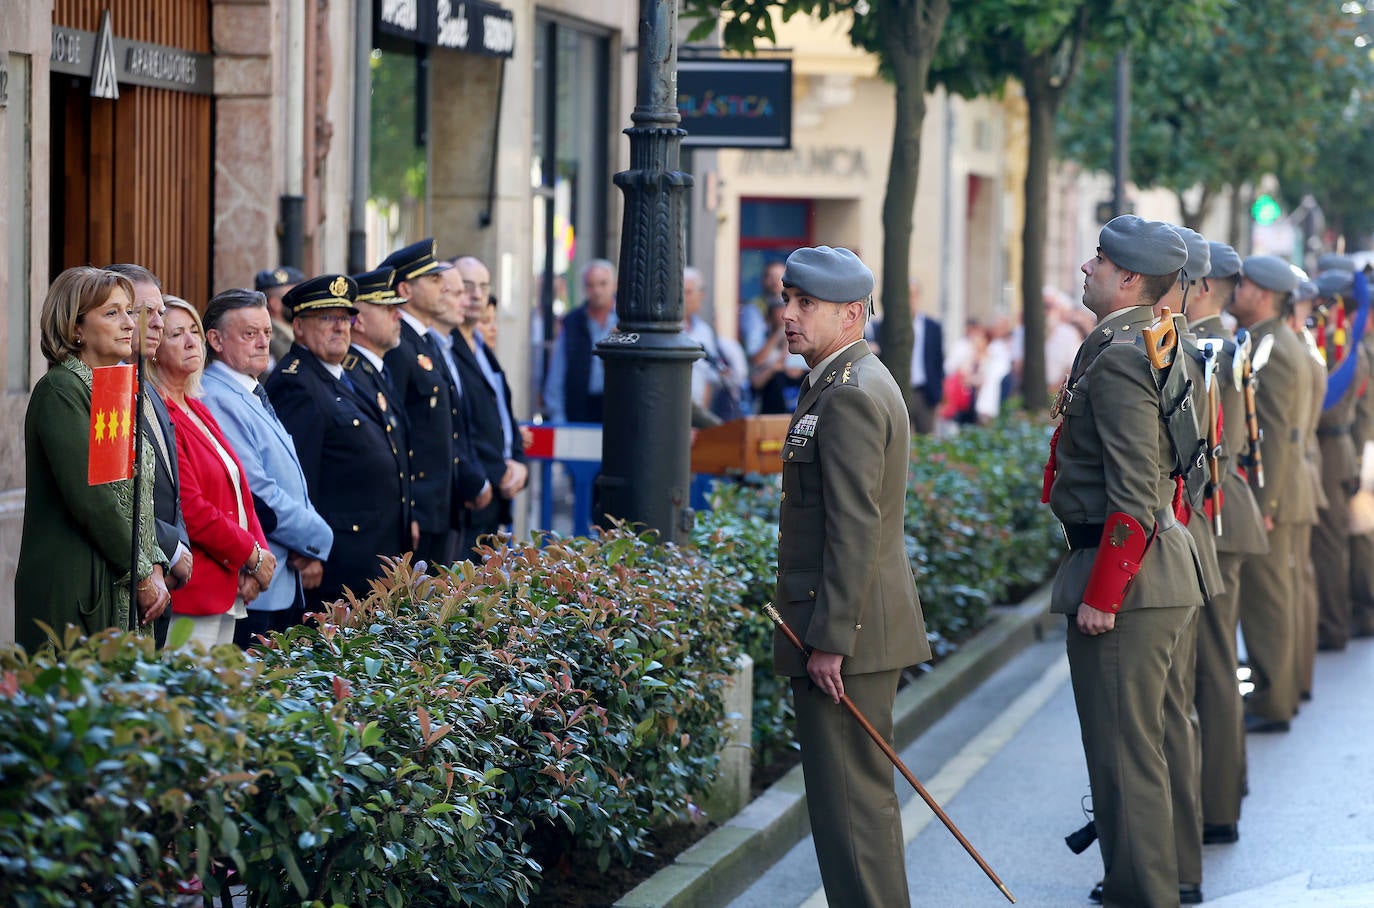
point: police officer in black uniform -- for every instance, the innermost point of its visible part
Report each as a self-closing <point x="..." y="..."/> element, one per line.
<point x="441" y="482"/>
<point x="376" y="331"/>
<point x="346" y="454"/>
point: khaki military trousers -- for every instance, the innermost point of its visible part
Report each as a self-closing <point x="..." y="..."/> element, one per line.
<point x="1362" y="584"/>
<point x="1268" y="620"/>
<point x="1182" y="749"/>
<point x="1305" y="631"/>
<point x="1331" y="561"/>
<point x="856" y="821"/>
<point x="1119" y="686"/>
<point x="1220" y="716"/>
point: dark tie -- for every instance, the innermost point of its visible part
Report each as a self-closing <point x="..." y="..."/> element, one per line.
<point x="347" y="382"/>
<point x="261" y="394"/>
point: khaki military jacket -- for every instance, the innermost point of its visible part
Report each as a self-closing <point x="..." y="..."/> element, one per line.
<point x="1283" y="400"/>
<point x="1316" y="373"/>
<point x="844" y="581"/>
<point x="1242" y="529"/>
<point x="1340" y="459"/>
<point x="1113" y="455"/>
<point x="1364" y="395"/>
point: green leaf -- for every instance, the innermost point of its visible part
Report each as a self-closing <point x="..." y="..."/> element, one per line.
<point x="179" y="633"/>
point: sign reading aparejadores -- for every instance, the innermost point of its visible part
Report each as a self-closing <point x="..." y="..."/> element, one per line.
<point x="735" y="103"/>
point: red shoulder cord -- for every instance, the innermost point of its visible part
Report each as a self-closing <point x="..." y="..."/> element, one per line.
<point x="1051" y="467"/>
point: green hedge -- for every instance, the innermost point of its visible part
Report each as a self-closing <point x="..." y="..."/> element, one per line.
<point x="435" y="743"/>
<point x="976" y="534"/>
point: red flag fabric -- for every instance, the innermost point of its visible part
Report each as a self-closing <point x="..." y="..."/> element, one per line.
<point x="111" y="443"/>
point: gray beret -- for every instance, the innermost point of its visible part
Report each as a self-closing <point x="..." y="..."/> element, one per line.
<point x="1334" y="261"/>
<point x="1335" y="282"/>
<point x="1145" y="247"/>
<point x="1270" y="272"/>
<point x="834" y="275"/>
<point x="1225" y="261"/>
<point x="1306" y="290"/>
<point x="1199" y="254"/>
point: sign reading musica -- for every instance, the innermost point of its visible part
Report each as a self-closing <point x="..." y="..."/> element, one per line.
<point x="727" y="103"/>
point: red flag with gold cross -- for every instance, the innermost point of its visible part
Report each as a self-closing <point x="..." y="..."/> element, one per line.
<point x="112" y="427"/>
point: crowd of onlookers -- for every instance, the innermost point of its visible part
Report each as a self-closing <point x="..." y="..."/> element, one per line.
<point x="288" y="438"/>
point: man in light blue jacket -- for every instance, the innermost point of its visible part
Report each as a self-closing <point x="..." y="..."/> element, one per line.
<point x="238" y="332"/>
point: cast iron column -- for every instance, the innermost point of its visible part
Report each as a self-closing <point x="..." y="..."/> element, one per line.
<point x="648" y="360"/>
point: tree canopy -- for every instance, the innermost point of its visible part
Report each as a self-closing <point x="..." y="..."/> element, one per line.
<point x="1205" y="112"/>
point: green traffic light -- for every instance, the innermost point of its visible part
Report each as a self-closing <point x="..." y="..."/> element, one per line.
<point x="1265" y="211"/>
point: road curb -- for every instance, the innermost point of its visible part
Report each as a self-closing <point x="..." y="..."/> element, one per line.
<point x="729" y="859"/>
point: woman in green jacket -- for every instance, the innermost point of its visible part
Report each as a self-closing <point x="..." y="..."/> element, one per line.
<point x="75" y="552"/>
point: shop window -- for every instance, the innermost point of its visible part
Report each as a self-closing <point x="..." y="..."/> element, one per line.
<point x="769" y="230"/>
<point x="398" y="161"/>
<point x="570" y="168"/>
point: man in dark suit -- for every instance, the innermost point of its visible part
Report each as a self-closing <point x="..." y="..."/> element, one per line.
<point x="844" y="581"/>
<point x="376" y="331"/>
<point x="168" y="523"/>
<point x="340" y="437"/>
<point x="927" y="365"/>
<point x="494" y="433"/>
<point x="417" y="372"/>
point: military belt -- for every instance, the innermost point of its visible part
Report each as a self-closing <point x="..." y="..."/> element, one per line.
<point x="1089" y="535"/>
<point x="1333" y="431"/>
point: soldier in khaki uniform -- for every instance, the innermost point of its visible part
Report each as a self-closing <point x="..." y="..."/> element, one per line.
<point x="1340" y="464"/>
<point x="1130" y="585"/>
<point x="1305" y="639"/>
<point x="1362" y="544"/>
<point x="1182" y="734"/>
<point x="1268" y="612"/>
<point x="1219" y="708"/>
<point x="844" y="582"/>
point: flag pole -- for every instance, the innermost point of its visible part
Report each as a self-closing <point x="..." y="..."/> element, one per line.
<point x="134" y="480"/>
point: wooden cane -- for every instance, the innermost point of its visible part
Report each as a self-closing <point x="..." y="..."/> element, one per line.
<point x="891" y="754"/>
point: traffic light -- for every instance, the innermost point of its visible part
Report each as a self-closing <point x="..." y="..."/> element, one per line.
<point x="1265" y="211"/>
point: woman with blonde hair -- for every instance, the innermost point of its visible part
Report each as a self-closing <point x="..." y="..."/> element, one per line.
<point x="232" y="558"/>
<point x="74" y="556"/>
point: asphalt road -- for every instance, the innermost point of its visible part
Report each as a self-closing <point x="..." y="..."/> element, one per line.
<point x="1007" y="766"/>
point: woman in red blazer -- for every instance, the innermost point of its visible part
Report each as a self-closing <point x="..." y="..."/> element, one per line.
<point x="231" y="562"/>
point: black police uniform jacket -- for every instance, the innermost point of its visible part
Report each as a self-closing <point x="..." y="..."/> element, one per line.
<point x="350" y="468"/>
<point x="378" y="392"/>
<point x="422" y="383"/>
<point x="486" y="433"/>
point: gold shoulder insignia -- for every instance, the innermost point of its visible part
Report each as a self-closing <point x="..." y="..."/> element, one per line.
<point x="831" y="377"/>
<point x="844" y="379"/>
<point x="350" y="361"/>
<point x="292" y="367"/>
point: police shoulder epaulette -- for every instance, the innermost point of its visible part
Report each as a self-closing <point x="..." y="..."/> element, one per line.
<point x="350" y="362"/>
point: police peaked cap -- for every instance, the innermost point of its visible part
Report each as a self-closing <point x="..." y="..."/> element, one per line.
<point x="328" y="291"/>
<point x="415" y="260"/>
<point x="277" y="277"/>
<point x="377" y="286"/>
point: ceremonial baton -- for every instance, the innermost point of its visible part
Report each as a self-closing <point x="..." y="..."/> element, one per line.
<point x="891" y="754"/>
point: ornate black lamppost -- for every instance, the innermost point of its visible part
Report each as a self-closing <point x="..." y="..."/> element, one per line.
<point x="648" y="360"/>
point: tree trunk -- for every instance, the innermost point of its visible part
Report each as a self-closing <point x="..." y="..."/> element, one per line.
<point x="911" y="32"/>
<point x="1042" y="99"/>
